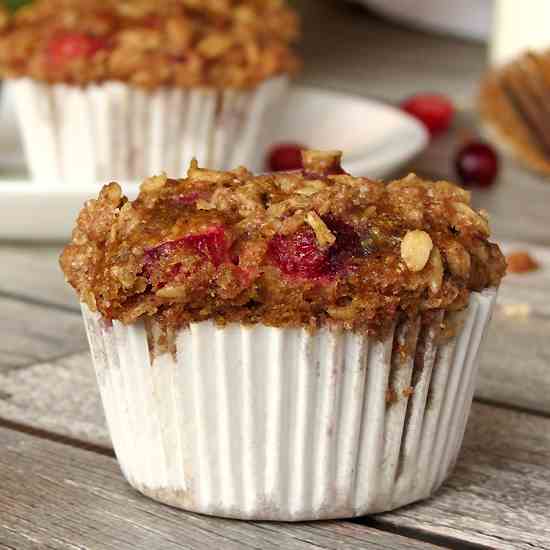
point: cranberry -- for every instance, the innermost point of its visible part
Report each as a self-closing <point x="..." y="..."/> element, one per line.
<point x="285" y="157"/>
<point x="211" y="244"/>
<point x="187" y="199"/>
<point x="346" y="246"/>
<point x="477" y="164"/>
<point x="299" y="254"/>
<point x="435" y="111"/>
<point x="68" y="46"/>
<point x="152" y="21"/>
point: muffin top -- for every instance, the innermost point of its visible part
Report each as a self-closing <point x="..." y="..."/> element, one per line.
<point x="513" y="104"/>
<point x="147" y="43"/>
<point x="310" y="248"/>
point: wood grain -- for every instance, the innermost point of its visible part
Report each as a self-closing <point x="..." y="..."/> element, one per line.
<point x="503" y="468"/>
<point x="499" y="493"/>
<point x="31" y="333"/>
<point x="59" y="396"/>
<point x="34" y="273"/>
<point x="57" y="497"/>
<point x="515" y="364"/>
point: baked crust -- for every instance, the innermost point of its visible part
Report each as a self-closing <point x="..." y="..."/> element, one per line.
<point x="183" y="43"/>
<point x="310" y="248"/>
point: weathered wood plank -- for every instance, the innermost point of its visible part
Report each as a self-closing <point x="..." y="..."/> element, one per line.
<point x="33" y="271"/>
<point x="31" y="334"/>
<point x="499" y="493"/>
<point x="531" y="289"/>
<point x="59" y="396"/>
<point x="504" y="464"/>
<point x="55" y="496"/>
<point x="515" y="364"/>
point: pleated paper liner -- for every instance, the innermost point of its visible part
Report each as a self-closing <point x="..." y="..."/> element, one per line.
<point x="112" y="131"/>
<point x="280" y="424"/>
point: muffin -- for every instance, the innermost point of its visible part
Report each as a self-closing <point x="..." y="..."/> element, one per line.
<point x="120" y="88"/>
<point x="513" y="107"/>
<point x="290" y="346"/>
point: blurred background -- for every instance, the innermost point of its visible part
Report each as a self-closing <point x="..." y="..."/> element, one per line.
<point x="395" y="83"/>
<point x="361" y="65"/>
<point x="384" y="51"/>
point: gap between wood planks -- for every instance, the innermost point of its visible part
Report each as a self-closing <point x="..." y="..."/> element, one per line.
<point x="368" y="521"/>
<point x="39" y="303"/>
<point x="444" y="542"/>
<point x="417" y="534"/>
<point x="509" y="407"/>
<point x="57" y="438"/>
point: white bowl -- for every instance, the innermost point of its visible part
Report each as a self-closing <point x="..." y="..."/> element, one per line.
<point x="467" y="18"/>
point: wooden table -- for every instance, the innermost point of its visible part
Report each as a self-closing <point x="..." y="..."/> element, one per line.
<point x="60" y="486"/>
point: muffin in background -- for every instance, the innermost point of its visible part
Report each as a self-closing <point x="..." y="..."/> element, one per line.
<point x="119" y="88"/>
<point x="290" y="346"/>
<point x="513" y="107"/>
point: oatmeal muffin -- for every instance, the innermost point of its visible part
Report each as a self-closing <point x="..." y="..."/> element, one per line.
<point x="287" y="346"/>
<point x="118" y="88"/>
<point x="513" y="107"/>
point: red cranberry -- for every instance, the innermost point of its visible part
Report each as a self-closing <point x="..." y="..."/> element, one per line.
<point x="477" y="164"/>
<point x="187" y="199"/>
<point x="285" y="157"/>
<point x="299" y="254"/>
<point x="435" y="111"/>
<point x="68" y="46"/>
<point x="211" y="244"/>
<point x="347" y="245"/>
<point x="152" y="21"/>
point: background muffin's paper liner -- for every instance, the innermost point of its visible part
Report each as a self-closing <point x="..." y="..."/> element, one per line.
<point x="112" y="131"/>
<point x="280" y="424"/>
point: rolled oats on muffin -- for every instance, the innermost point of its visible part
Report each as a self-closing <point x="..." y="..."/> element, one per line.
<point x="287" y="346"/>
<point x="118" y="88"/>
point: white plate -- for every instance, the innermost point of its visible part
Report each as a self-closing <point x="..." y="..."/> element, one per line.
<point x="376" y="138"/>
<point x="465" y="18"/>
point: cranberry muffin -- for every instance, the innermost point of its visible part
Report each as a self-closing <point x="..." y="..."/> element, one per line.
<point x="287" y="346"/>
<point x="118" y="88"/>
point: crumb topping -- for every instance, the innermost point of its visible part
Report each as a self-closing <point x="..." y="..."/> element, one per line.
<point x="316" y="247"/>
<point x="183" y="43"/>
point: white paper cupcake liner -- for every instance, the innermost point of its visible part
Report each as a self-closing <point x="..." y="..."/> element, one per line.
<point x="112" y="131"/>
<point x="280" y="424"/>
